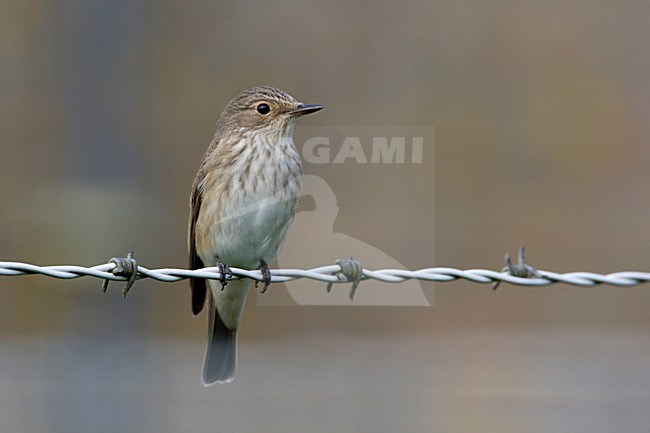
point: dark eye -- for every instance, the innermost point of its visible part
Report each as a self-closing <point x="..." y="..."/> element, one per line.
<point x="263" y="108"/>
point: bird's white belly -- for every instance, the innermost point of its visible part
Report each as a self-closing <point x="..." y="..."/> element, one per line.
<point x="253" y="229"/>
<point x="257" y="203"/>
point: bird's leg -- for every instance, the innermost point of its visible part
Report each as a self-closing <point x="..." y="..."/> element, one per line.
<point x="266" y="276"/>
<point x="224" y="270"/>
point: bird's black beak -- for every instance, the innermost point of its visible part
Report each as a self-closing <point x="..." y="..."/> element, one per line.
<point x="305" y="109"/>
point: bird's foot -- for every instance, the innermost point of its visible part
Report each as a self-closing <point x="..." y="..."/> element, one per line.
<point x="224" y="271"/>
<point x="266" y="276"/>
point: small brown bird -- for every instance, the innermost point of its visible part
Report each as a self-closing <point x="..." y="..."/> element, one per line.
<point x="243" y="201"/>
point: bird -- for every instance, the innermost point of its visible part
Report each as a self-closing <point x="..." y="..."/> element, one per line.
<point x="243" y="201"/>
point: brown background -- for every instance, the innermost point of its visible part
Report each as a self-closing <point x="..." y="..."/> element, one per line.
<point x="541" y="118"/>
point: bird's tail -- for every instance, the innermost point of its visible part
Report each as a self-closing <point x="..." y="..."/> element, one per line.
<point x="221" y="353"/>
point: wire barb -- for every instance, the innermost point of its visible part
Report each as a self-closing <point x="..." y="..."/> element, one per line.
<point x="521" y="269"/>
<point x="351" y="271"/>
<point x="126" y="267"/>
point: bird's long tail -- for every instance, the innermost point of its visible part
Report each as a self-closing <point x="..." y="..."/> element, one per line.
<point x="221" y="353"/>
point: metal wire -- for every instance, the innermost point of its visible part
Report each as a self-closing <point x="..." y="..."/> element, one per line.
<point x="327" y="274"/>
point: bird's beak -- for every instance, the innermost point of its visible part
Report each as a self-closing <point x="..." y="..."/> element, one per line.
<point x="305" y="109"/>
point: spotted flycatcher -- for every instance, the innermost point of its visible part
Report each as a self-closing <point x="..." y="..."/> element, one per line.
<point x="243" y="201"/>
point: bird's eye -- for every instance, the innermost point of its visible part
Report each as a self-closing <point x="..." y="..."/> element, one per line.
<point x="263" y="108"/>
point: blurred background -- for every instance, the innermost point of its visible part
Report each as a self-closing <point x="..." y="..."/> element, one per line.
<point x="540" y="112"/>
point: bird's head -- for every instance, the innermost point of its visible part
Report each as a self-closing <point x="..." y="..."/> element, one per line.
<point x="264" y="110"/>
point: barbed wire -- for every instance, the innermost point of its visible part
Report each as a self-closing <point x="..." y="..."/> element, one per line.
<point x="333" y="274"/>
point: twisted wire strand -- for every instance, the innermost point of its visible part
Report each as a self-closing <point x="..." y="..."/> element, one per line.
<point x="326" y="274"/>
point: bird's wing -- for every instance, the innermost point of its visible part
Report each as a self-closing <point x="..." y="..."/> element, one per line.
<point x="198" y="285"/>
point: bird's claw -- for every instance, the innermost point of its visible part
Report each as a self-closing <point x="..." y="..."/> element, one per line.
<point x="224" y="271"/>
<point x="266" y="276"/>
